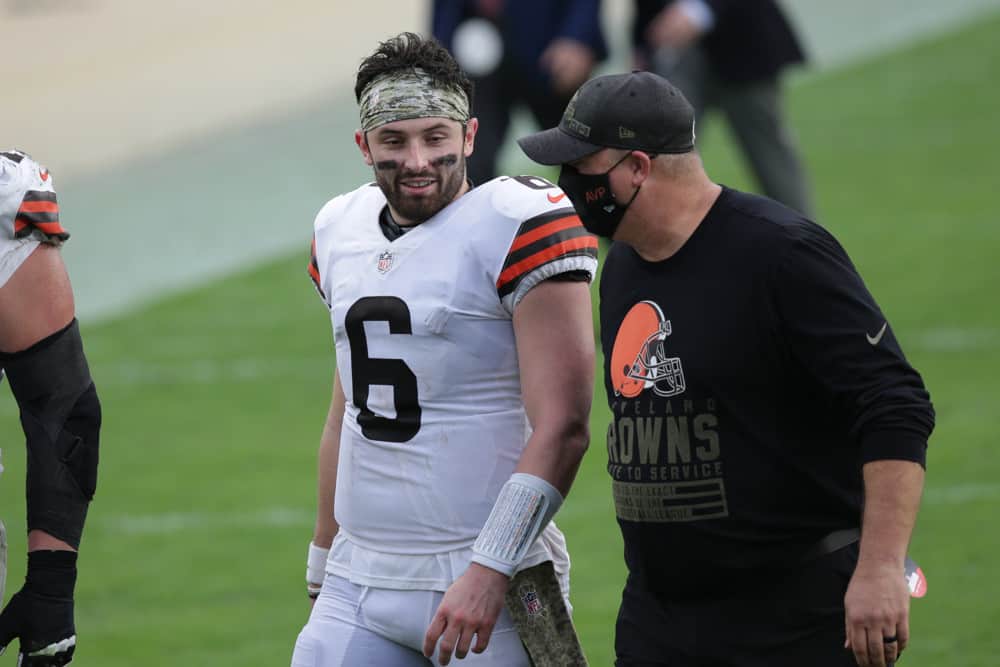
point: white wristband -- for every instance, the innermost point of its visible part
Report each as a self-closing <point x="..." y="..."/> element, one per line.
<point x="315" y="567"/>
<point x="525" y="506"/>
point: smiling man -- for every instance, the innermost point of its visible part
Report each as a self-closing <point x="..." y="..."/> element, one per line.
<point x="462" y="324"/>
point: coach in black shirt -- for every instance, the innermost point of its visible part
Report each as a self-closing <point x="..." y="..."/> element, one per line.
<point x="764" y="414"/>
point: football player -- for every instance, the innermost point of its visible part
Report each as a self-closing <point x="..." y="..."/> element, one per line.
<point x="465" y="356"/>
<point x="42" y="356"/>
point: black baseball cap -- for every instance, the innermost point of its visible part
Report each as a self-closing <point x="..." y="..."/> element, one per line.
<point x="638" y="111"/>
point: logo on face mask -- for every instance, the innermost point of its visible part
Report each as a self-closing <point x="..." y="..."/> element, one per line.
<point x="593" y="199"/>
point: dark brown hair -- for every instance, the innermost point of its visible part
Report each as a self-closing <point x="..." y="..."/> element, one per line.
<point x="409" y="50"/>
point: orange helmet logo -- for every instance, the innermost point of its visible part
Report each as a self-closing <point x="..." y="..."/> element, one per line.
<point x="638" y="358"/>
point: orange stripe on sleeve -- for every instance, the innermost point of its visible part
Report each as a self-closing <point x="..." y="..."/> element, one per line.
<point x="541" y="232"/>
<point x="513" y="271"/>
<point x="50" y="228"/>
<point x="314" y="266"/>
<point x="38" y="207"/>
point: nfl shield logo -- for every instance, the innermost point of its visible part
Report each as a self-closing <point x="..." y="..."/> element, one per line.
<point x="384" y="261"/>
<point x="532" y="603"/>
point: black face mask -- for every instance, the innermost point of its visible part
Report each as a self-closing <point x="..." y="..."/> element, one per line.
<point x="593" y="200"/>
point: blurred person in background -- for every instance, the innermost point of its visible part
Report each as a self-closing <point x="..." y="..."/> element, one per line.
<point x="42" y="355"/>
<point x="729" y="55"/>
<point x="462" y="324"/>
<point x="531" y="53"/>
<point x="768" y="436"/>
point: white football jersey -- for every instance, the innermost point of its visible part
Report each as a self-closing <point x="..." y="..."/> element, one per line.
<point x="29" y="212"/>
<point x="434" y="424"/>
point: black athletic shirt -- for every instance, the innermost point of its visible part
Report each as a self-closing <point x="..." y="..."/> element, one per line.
<point x="750" y="376"/>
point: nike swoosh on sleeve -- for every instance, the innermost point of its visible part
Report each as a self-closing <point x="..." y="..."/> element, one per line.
<point x="874" y="340"/>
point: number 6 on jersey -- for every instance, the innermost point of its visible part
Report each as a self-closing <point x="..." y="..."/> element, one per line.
<point x="367" y="371"/>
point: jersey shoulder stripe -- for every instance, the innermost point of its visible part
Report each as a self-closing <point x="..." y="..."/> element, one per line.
<point x="544" y="225"/>
<point x="543" y="239"/>
<point x="39" y="210"/>
<point x="314" y="270"/>
<point x="28" y="205"/>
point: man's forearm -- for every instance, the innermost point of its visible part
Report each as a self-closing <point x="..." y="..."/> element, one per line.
<point x="326" y="525"/>
<point x="327" y="460"/>
<point x="556" y="457"/>
<point x="892" y="498"/>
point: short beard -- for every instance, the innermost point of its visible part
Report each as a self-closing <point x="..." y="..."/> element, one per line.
<point x="449" y="174"/>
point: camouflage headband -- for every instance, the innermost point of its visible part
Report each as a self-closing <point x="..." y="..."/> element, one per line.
<point x="406" y="94"/>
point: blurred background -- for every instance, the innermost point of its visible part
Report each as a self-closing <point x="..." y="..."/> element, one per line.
<point x="192" y="143"/>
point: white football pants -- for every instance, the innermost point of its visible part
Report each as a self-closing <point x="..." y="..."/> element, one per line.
<point x="360" y="626"/>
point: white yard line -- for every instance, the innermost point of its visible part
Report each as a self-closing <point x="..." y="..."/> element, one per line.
<point x="961" y="494"/>
<point x="132" y="373"/>
<point x="208" y="371"/>
<point x="186" y="522"/>
<point x="956" y="339"/>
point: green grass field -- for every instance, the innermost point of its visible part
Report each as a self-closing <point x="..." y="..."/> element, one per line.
<point x="214" y="399"/>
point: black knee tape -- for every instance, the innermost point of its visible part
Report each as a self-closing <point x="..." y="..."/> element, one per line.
<point x="61" y="417"/>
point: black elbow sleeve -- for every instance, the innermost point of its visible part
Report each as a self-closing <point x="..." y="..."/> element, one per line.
<point x="61" y="418"/>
